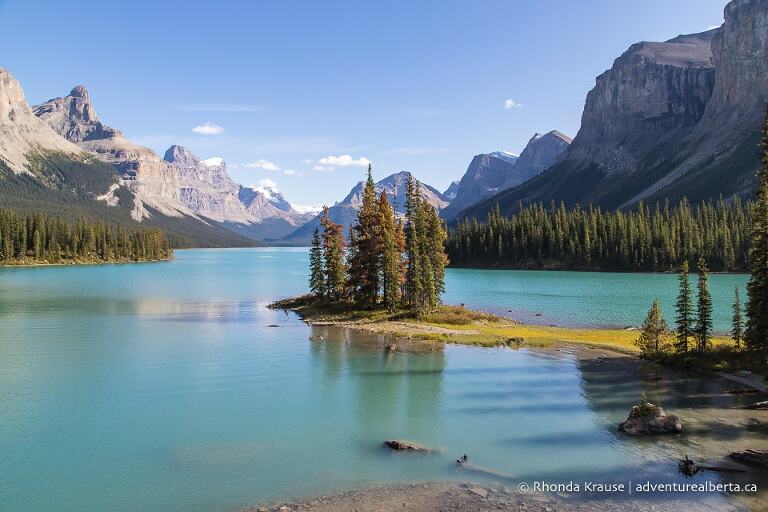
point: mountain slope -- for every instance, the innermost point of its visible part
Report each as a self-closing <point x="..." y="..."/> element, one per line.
<point x="489" y="174"/>
<point x="345" y="212"/>
<point x="672" y="119"/>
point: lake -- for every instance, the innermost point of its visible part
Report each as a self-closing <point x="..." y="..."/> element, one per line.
<point x="170" y="387"/>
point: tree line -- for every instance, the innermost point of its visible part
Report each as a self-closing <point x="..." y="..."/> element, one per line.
<point x="40" y="238"/>
<point x="657" y="238"/>
<point x="693" y="321"/>
<point x="385" y="261"/>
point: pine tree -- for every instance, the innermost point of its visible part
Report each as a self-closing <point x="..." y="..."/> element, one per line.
<point x="413" y="282"/>
<point x="684" y="309"/>
<point x="757" y="289"/>
<point x="737" y="324"/>
<point x="333" y="257"/>
<point x="316" y="266"/>
<point x="654" y="335"/>
<point x="703" y="327"/>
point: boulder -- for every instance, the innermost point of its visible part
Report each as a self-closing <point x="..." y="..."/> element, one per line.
<point x="406" y="446"/>
<point x="647" y="418"/>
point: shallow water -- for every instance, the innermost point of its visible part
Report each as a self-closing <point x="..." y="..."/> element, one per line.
<point x="163" y="387"/>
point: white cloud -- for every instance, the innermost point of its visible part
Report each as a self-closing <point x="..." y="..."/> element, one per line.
<point x="220" y="107"/>
<point x="289" y="172"/>
<point x="343" y="161"/>
<point x="267" y="183"/>
<point x="323" y="168"/>
<point x="213" y="162"/>
<point x="208" y="129"/>
<point x="264" y="165"/>
<point x="509" y="104"/>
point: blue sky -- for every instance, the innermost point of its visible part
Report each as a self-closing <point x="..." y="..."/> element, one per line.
<point x="283" y="90"/>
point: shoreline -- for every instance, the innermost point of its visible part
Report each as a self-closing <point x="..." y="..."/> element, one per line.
<point x="79" y="263"/>
<point x="470" y="497"/>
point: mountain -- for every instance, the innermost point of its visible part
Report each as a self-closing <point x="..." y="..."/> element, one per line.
<point x="345" y="212"/>
<point x="670" y="119"/>
<point x="451" y="191"/>
<point x="484" y="176"/>
<point x="206" y="188"/>
<point x="42" y="171"/>
<point x="494" y="172"/>
<point x="179" y="185"/>
<point x="153" y="181"/>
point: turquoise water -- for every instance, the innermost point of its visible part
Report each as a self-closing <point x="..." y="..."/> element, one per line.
<point x="167" y="387"/>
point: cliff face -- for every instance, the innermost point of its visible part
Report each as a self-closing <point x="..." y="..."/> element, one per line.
<point x="672" y="119"/>
<point x="22" y="134"/>
<point x="153" y="181"/>
<point x="538" y="155"/>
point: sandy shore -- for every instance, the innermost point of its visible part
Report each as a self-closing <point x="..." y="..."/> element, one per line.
<point x="466" y="497"/>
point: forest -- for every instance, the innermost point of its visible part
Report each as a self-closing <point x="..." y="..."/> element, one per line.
<point x="38" y="238"/>
<point x="656" y="238"/>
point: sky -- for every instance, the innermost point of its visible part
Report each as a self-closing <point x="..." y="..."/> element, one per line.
<point x="307" y="93"/>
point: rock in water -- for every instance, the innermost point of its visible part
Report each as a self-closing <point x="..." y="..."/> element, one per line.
<point x="647" y="418"/>
<point x="405" y="446"/>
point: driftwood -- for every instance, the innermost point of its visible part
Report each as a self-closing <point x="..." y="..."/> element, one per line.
<point x="751" y="457"/>
<point x="464" y="463"/>
<point x="689" y="468"/>
<point x="757" y="405"/>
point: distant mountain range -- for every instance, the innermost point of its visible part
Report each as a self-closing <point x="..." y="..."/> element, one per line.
<point x="667" y="120"/>
<point x="345" y="212"/>
<point x="670" y="119"/>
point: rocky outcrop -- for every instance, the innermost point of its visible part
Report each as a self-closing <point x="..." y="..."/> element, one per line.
<point x="22" y="134"/>
<point x="153" y="181"/>
<point x="668" y="120"/>
<point x="646" y="418"/>
<point x="494" y="172"/>
<point x="345" y="212"/>
<point x="406" y="446"/>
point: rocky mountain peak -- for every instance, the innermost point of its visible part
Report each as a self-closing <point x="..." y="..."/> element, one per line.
<point x="74" y="117"/>
<point x="180" y="155"/>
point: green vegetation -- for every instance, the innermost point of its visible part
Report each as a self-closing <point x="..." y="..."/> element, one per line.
<point x="387" y="264"/>
<point x="757" y="288"/>
<point x="42" y="239"/>
<point x="655" y="336"/>
<point x="703" y="327"/>
<point x="684" y="308"/>
<point x="646" y="239"/>
<point x="737" y="324"/>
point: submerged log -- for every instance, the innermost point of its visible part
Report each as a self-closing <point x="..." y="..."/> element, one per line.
<point x="689" y="468"/>
<point x="757" y="405"/>
<point x="757" y="458"/>
<point x="464" y="463"/>
<point x="406" y="446"/>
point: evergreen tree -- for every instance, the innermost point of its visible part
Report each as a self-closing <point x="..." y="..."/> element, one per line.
<point x="316" y="266"/>
<point x="757" y="289"/>
<point x="654" y="335"/>
<point x="413" y="246"/>
<point x="392" y="264"/>
<point x="737" y="324"/>
<point x="366" y="247"/>
<point x="333" y="257"/>
<point x="703" y="327"/>
<point x="684" y="309"/>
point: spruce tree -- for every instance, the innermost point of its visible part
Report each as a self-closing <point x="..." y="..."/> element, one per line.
<point x="684" y="309"/>
<point x="367" y="247"/>
<point x="413" y="282"/>
<point x="654" y="334"/>
<point x="703" y="327"/>
<point x="316" y="267"/>
<point x="737" y="324"/>
<point x="391" y="267"/>
<point x="333" y="257"/>
<point x="757" y="289"/>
